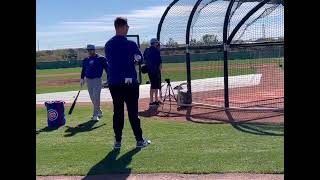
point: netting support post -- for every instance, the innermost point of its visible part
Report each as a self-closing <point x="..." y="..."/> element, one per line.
<point x="225" y="54"/>
<point x="187" y="48"/>
<point x="188" y="69"/>
<point x="226" y="75"/>
<point x="163" y="17"/>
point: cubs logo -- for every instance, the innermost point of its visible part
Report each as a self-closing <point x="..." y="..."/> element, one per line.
<point x="91" y="62"/>
<point x="52" y="114"/>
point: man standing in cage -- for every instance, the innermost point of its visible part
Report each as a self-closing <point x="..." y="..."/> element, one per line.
<point x="154" y="63"/>
<point x="122" y="55"/>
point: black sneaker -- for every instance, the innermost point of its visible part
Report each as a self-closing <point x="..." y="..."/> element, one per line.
<point x="143" y="143"/>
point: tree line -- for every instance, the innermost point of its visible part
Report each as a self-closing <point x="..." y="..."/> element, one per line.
<point x="81" y="53"/>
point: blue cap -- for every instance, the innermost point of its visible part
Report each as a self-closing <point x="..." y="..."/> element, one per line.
<point x="154" y="41"/>
<point x="91" y="47"/>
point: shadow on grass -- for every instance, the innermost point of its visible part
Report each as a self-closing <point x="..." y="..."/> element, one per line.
<point x="257" y="128"/>
<point x="260" y="128"/>
<point x="46" y="129"/>
<point x="246" y="124"/>
<point x="151" y="111"/>
<point x="84" y="127"/>
<point x="112" y="168"/>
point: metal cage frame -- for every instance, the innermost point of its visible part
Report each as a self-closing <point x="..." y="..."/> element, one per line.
<point x="224" y="47"/>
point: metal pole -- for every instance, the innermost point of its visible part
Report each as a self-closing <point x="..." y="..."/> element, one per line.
<point x="225" y="75"/>
<point x="225" y="54"/>
<point x="38" y="46"/>
<point x="187" y="48"/>
<point x="163" y="17"/>
<point x="188" y="70"/>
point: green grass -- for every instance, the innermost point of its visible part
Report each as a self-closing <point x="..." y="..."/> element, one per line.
<point x="177" y="147"/>
<point x="66" y="87"/>
<point x="174" y="75"/>
<point x="58" y="71"/>
<point x="200" y="74"/>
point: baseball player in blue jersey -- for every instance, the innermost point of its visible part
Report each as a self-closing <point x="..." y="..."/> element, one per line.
<point x="122" y="55"/>
<point x="92" y="69"/>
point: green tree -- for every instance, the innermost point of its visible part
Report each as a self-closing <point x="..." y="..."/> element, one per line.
<point x="209" y="39"/>
<point x="194" y="42"/>
<point x="172" y="43"/>
<point x="72" y="54"/>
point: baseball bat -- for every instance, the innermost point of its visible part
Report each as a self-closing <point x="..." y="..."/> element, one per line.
<point x="74" y="103"/>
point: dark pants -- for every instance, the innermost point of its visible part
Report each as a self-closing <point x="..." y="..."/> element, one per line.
<point x="130" y="95"/>
<point x="155" y="79"/>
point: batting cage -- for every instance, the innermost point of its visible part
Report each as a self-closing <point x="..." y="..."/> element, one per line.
<point x="224" y="55"/>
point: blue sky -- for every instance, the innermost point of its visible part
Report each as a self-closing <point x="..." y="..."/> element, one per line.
<point x="75" y="23"/>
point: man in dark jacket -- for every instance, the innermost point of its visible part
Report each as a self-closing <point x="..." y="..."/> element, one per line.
<point x="153" y="61"/>
<point x="122" y="56"/>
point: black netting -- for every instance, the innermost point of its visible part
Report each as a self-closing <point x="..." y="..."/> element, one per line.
<point x="173" y="32"/>
<point x="207" y="23"/>
<point x="255" y="56"/>
<point x="207" y="65"/>
<point x="261" y="67"/>
<point x="265" y="25"/>
<point x="173" y="35"/>
<point x="256" y="77"/>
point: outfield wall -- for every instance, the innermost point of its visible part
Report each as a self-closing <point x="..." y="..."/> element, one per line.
<point x="272" y="53"/>
<point x="58" y="64"/>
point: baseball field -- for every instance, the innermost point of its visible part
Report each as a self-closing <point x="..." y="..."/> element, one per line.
<point x="58" y="80"/>
<point x="83" y="147"/>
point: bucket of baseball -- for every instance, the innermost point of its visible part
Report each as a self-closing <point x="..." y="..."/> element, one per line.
<point x="55" y="113"/>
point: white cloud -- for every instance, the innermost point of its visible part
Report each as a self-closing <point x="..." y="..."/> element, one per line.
<point x="138" y="20"/>
<point x="151" y="12"/>
<point x="145" y="22"/>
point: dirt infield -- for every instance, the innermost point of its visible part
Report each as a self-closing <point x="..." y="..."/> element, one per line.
<point x="208" y="114"/>
<point x="58" y="75"/>
<point x="268" y="93"/>
<point x="210" y="67"/>
<point x="52" y="83"/>
<point x="169" y="176"/>
<point x="196" y="114"/>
